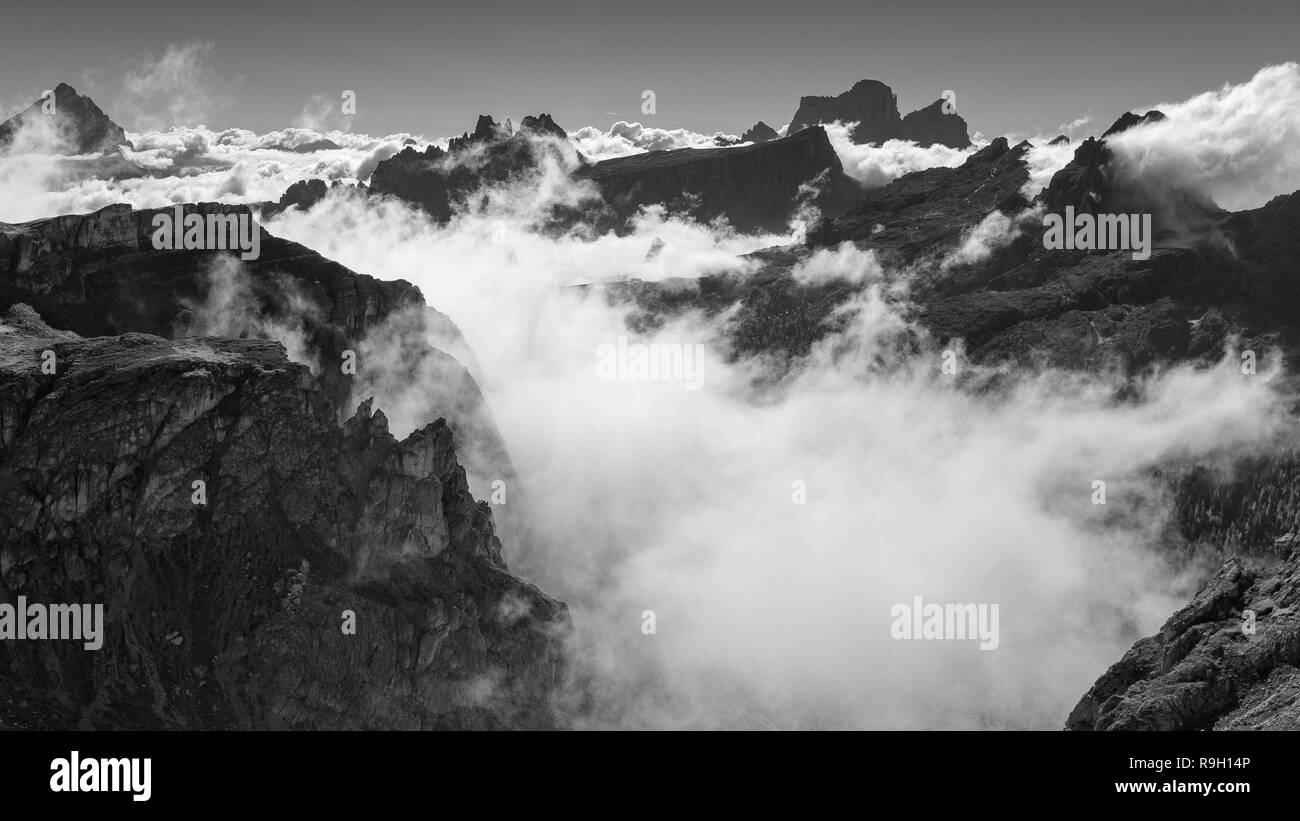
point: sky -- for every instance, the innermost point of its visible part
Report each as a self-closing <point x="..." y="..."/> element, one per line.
<point x="431" y="67"/>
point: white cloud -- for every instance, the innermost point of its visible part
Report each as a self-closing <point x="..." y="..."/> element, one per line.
<point x="178" y="87"/>
<point x="187" y="164"/>
<point x="875" y="166"/>
<point x="647" y="496"/>
<point x="624" y="138"/>
<point x="997" y="230"/>
<point x="1074" y="125"/>
<point x="1043" y="161"/>
<point x="1240" y="145"/>
<point x="846" y="263"/>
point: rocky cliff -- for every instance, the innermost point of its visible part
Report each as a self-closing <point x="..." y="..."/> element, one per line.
<point x="931" y="125"/>
<point x="756" y="187"/>
<point x="260" y="565"/>
<point x="1228" y="660"/>
<point x="98" y="274"/>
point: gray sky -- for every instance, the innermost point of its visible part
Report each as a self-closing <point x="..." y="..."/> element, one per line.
<point x="431" y="67"/>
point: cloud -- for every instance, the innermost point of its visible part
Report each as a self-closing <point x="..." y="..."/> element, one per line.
<point x="646" y="496"/>
<point x="846" y="263"/>
<point x="176" y="88"/>
<point x="874" y="166"/>
<point x="1043" y="161"/>
<point x="1075" y="124"/>
<point x="1239" y="146"/>
<point x="321" y="112"/>
<point x="997" y="230"/>
<point x="624" y="138"/>
<point x="230" y="307"/>
<point x="185" y="164"/>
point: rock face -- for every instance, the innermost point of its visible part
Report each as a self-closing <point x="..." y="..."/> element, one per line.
<point x="1093" y="183"/>
<point x="1087" y="183"/>
<point x="756" y="187"/>
<point x="761" y="132"/>
<point x="228" y="611"/>
<point x="930" y="125"/>
<point x="98" y="274"/>
<point x="874" y="106"/>
<point x="1203" y="670"/>
<point x="870" y="103"/>
<point x="76" y="125"/>
<point x="928" y="210"/>
<point x="303" y="194"/>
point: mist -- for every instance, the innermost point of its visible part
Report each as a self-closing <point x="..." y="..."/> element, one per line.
<point x="768" y="522"/>
<point x="771" y="529"/>
<point x="1238" y="146"/>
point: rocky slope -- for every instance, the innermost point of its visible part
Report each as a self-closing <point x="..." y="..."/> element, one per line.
<point x="874" y="107"/>
<point x="98" y="274"/>
<point x="1208" y="667"/>
<point x="75" y="126"/>
<point x="229" y="610"/>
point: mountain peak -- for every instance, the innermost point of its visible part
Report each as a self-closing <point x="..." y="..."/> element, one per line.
<point x="874" y="107"/>
<point x="761" y="132"/>
<point x="1129" y="120"/>
<point x="543" y="124"/>
<point x="80" y="126"/>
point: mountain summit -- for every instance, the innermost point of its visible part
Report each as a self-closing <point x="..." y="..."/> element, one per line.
<point x="79" y="126"/>
<point x="874" y="107"/>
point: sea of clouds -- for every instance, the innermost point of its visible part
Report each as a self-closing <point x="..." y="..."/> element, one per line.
<point x="643" y="495"/>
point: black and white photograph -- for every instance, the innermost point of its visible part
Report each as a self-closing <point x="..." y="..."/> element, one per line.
<point x="910" y="371"/>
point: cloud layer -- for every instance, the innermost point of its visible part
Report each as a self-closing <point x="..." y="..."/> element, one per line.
<point x="771" y="613"/>
<point x="1239" y="146"/>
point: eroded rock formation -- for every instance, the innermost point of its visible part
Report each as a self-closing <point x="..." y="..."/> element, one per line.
<point x="874" y="107"/>
<point x="229" y="610"/>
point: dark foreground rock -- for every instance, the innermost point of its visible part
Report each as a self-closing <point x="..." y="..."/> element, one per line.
<point x="1204" y="669"/>
<point x="99" y="274"/>
<point x="229" y="613"/>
